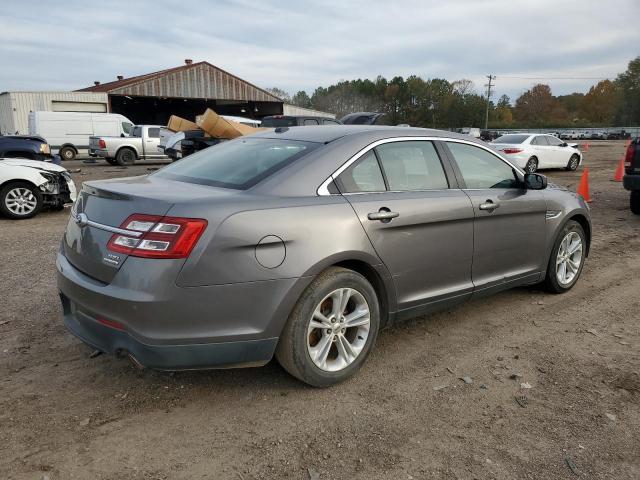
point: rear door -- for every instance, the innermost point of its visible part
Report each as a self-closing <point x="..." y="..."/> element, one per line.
<point x="509" y="228"/>
<point x="542" y="151"/>
<point x="419" y="223"/>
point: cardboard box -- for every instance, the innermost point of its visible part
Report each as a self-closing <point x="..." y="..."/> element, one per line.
<point x="178" y="124"/>
<point x="219" y="127"/>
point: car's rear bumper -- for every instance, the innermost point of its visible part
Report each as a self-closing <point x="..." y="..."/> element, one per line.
<point x="631" y="182"/>
<point x="165" y="357"/>
<point x="144" y="314"/>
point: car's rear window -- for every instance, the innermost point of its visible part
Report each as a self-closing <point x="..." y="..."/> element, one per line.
<point x="237" y="164"/>
<point x="279" y="122"/>
<point x="511" y="139"/>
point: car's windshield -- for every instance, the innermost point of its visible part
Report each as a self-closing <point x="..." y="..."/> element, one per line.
<point x="237" y="164"/>
<point x="511" y="139"/>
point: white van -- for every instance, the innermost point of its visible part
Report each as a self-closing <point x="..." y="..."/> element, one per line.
<point x="68" y="132"/>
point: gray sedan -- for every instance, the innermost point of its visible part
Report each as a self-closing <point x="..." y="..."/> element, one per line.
<point x="303" y="243"/>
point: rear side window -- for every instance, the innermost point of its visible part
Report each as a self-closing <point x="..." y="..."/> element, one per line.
<point x="154" y="132"/>
<point x="540" y="140"/>
<point x="310" y="121"/>
<point x="511" y="139"/>
<point x="237" y="164"/>
<point x="271" y="122"/>
<point x="363" y="176"/>
<point x="481" y="169"/>
<point x="329" y="122"/>
<point x="412" y="165"/>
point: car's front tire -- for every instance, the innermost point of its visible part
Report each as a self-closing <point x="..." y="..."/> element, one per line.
<point x="20" y="200"/>
<point x="574" y="161"/>
<point x="532" y="165"/>
<point x="331" y="329"/>
<point x="634" y="202"/>
<point x="567" y="258"/>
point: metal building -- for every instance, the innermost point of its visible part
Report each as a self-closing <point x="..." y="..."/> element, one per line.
<point x="187" y="91"/>
<point x="15" y="106"/>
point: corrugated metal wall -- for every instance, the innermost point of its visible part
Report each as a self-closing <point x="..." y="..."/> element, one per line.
<point x="294" y="110"/>
<point x="201" y="81"/>
<point x="15" y="106"/>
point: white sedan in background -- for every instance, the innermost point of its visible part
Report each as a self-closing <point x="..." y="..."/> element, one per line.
<point x="28" y="185"/>
<point x="535" y="151"/>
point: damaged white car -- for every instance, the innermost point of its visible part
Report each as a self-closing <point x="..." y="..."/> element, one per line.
<point x="26" y="186"/>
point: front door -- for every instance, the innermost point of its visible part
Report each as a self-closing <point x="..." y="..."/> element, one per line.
<point x="509" y="229"/>
<point x="421" y="228"/>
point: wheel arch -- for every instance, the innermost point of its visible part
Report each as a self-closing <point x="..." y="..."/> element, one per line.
<point x="127" y="147"/>
<point x="68" y="145"/>
<point x="586" y="226"/>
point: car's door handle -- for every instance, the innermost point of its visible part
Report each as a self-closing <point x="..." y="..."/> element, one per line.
<point x="489" y="206"/>
<point x="384" y="215"/>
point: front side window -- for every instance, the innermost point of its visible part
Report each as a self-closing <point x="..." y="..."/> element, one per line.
<point x="362" y="176"/>
<point x="412" y="165"/>
<point x="237" y="164"/>
<point x="330" y="122"/>
<point x="311" y="121"/>
<point x="481" y="169"/>
<point x="137" y="131"/>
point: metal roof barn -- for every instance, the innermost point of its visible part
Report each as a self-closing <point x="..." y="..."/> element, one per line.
<point x="187" y="91"/>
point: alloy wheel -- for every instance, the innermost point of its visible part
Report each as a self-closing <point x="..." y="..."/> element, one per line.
<point x="338" y="330"/>
<point x="569" y="258"/>
<point x="20" y="201"/>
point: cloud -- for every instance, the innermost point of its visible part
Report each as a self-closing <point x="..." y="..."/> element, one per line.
<point x="305" y="44"/>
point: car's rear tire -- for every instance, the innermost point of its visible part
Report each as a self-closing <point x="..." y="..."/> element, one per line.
<point x="531" y="165"/>
<point x="125" y="157"/>
<point x="20" y="200"/>
<point x="574" y="161"/>
<point x="567" y="258"/>
<point x="323" y="343"/>
<point x="634" y="202"/>
<point x="67" y="153"/>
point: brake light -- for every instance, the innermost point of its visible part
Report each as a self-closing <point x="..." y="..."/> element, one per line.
<point x="162" y="237"/>
<point x="512" y="150"/>
<point x="628" y="156"/>
<point x="102" y="143"/>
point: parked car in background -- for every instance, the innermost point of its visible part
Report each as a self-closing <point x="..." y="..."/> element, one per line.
<point x="489" y="135"/>
<point x="631" y="179"/>
<point x="366" y="118"/>
<point x="471" y="131"/>
<point x="618" y="135"/>
<point x="68" y="132"/>
<point x="31" y="147"/>
<point x="274" y="121"/>
<point x="597" y="135"/>
<point x="534" y="151"/>
<point x="294" y="242"/>
<point x="142" y="144"/>
<point x="26" y="186"/>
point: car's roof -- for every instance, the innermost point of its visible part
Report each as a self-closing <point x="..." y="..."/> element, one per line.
<point x="329" y="133"/>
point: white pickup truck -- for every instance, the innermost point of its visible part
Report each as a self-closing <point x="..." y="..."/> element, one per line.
<point x="141" y="144"/>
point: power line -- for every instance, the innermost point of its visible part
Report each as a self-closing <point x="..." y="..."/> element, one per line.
<point x="555" y="78"/>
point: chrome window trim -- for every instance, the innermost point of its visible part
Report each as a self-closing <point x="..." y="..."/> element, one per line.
<point x="323" y="189"/>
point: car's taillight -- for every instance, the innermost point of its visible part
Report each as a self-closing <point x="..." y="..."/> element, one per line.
<point x="102" y="143"/>
<point x="162" y="237"/>
<point x="628" y="157"/>
<point x="512" y="150"/>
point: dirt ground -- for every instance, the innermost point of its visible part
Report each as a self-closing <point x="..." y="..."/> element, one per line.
<point x="64" y="415"/>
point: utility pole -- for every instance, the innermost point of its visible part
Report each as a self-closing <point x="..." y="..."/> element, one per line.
<point x="486" y="115"/>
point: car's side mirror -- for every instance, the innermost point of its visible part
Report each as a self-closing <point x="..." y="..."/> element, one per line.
<point x="535" y="181"/>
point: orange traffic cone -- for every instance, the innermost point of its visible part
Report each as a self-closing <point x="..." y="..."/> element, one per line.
<point x="586" y="147"/>
<point x="583" y="186"/>
<point x="617" y="177"/>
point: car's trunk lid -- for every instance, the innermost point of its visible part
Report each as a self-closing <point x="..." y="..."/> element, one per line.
<point x="105" y="205"/>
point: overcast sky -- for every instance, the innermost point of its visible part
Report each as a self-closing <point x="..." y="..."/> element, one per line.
<point x="299" y="45"/>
